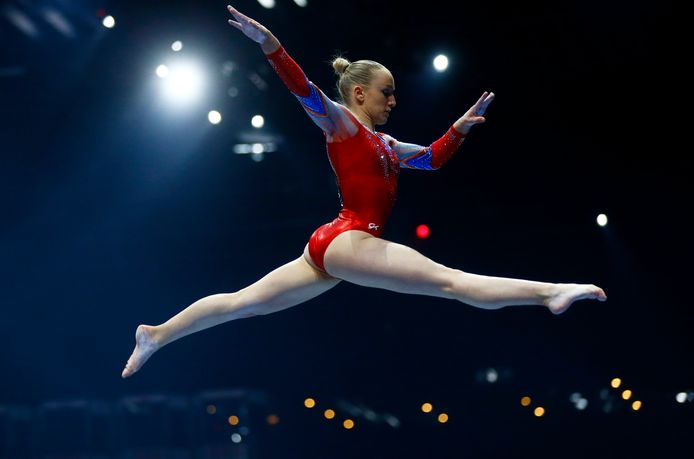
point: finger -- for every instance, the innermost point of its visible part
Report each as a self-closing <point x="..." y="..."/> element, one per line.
<point x="238" y="15"/>
<point x="235" y="24"/>
<point x="485" y="103"/>
<point x="481" y="99"/>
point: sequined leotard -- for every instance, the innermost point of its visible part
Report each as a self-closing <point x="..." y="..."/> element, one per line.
<point x="366" y="164"/>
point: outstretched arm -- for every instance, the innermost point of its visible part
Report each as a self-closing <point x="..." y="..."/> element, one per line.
<point x="435" y="155"/>
<point x="328" y="115"/>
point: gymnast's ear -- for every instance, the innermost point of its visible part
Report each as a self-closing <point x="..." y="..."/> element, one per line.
<point x="358" y="93"/>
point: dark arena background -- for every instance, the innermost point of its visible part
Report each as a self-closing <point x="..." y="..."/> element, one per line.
<point x="134" y="182"/>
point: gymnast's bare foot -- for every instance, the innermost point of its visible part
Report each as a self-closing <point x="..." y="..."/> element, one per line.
<point x="145" y="346"/>
<point x="566" y="294"/>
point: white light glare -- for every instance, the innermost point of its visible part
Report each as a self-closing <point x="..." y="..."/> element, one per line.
<point x="214" y="117"/>
<point x="162" y="71"/>
<point x="236" y="438"/>
<point x="255" y="148"/>
<point x="109" y="22"/>
<point x="602" y="219"/>
<point x="392" y="421"/>
<point x="301" y="3"/>
<point x="184" y="82"/>
<point x="177" y="45"/>
<point x="440" y="63"/>
<point x="257" y="121"/>
<point x="21" y="21"/>
<point x="267" y="3"/>
<point x="681" y="397"/>
<point x="492" y="375"/>
<point x="57" y="20"/>
<point x="581" y="404"/>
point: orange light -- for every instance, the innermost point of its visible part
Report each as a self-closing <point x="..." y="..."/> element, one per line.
<point x="427" y="407"/>
<point x="309" y="403"/>
<point x="539" y="411"/>
<point x="348" y="424"/>
<point x="443" y="418"/>
<point x="636" y="405"/>
<point x="626" y="395"/>
<point x="329" y="414"/>
<point x="273" y="419"/>
<point x="525" y="401"/>
<point x="233" y="420"/>
<point x="615" y="383"/>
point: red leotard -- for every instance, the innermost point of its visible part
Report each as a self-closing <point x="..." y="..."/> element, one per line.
<point x="367" y="178"/>
<point x="366" y="164"/>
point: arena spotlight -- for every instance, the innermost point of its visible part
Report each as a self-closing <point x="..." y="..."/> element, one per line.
<point x="491" y="375"/>
<point x="440" y="63"/>
<point x="267" y="3"/>
<point x="257" y="121"/>
<point x="109" y="22"/>
<point x="301" y="3"/>
<point x="162" y="71"/>
<point x="214" y="117"/>
<point x="256" y="148"/>
<point x="602" y="220"/>
<point x="183" y="83"/>
<point x="579" y="402"/>
<point x="177" y="45"/>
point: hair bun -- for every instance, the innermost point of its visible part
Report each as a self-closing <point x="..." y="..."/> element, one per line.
<point x="340" y="65"/>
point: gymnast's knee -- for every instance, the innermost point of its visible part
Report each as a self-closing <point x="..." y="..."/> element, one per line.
<point x="452" y="283"/>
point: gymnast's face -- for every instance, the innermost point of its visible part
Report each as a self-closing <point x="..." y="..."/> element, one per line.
<point x="379" y="96"/>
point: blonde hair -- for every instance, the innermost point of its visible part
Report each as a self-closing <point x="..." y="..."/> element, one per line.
<point x="351" y="74"/>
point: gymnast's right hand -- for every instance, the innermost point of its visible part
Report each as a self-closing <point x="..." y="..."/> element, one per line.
<point x="250" y="27"/>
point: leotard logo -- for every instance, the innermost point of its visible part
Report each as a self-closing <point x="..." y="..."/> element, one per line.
<point x="373" y="226"/>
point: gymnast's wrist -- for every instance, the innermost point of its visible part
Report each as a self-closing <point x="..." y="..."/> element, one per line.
<point x="459" y="132"/>
<point x="270" y="44"/>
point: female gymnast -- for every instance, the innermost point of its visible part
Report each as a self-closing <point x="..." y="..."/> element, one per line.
<point x="366" y="164"/>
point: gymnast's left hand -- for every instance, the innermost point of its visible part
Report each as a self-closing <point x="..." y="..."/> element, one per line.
<point x="475" y="114"/>
<point x="250" y="27"/>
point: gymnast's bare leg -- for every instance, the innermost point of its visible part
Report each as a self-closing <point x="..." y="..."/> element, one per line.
<point x="360" y="258"/>
<point x="286" y="286"/>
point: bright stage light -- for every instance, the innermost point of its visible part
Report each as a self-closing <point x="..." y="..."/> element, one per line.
<point x="602" y="219"/>
<point x="214" y="117"/>
<point x="183" y="83"/>
<point x="267" y="3"/>
<point x="109" y="22"/>
<point x="258" y="121"/>
<point x="440" y="63"/>
<point x="162" y="71"/>
<point x="177" y="45"/>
